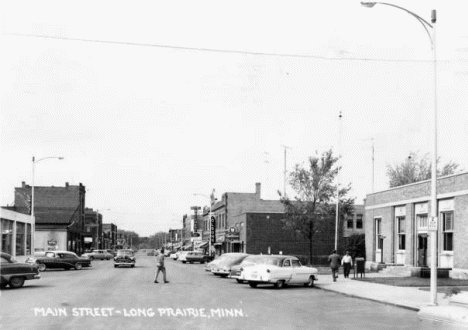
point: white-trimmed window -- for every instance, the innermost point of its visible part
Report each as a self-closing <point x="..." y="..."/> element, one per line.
<point x="447" y="218"/>
<point x="378" y="232"/>
<point x="401" y="233"/>
<point x="359" y="221"/>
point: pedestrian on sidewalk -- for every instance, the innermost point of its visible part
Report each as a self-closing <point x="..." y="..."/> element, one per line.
<point x="347" y="263"/>
<point x="334" y="260"/>
<point x="160" y="267"/>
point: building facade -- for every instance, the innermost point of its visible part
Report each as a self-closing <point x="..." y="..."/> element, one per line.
<point x="16" y="229"/>
<point x="397" y="224"/>
<point x="109" y="236"/>
<point x="59" y="215"/>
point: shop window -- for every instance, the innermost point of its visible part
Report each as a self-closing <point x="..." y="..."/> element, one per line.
<point x="401" y="233"/>
<point x="20" y="234"/>
<point x="7" y="236"/>
<point x="359" y="221"/>
<point x="350" y="223"/>
<point x="447" y="218"/>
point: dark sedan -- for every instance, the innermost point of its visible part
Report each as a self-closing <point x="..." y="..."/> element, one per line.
<point x="60" y="259"/>
<point x="14" y="273"/>
<point x="197" y="256"/>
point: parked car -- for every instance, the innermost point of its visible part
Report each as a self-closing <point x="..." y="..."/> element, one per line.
<point x="98" y="254"/>
<point x="59" y="259"/>
<point x="174" y="256"/>
<point x="280" y="270"/>
<point x="213" y="263"/>
<point x="125" y="258"/>
<point x="196" y="256"/>
<point x="113" y="252"/>
<point x="251" y="260"/>
<point x="223" y="267"/>
<point x="14" y="273"/>
<point x="182" y="256"/>
<point x="150" y="253"/>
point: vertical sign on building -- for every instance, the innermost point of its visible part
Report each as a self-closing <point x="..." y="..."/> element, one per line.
<point x="213" y="230"/>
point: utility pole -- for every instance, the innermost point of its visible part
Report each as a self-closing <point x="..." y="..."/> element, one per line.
<point x="285" y="172"/>
<point x="338" y="184"/>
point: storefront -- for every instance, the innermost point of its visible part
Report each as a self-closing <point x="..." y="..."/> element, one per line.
<point x="16" y="229"/>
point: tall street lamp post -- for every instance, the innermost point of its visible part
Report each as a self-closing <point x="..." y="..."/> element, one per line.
<point x="33" y="220"/>
<point x="433" y="223"/>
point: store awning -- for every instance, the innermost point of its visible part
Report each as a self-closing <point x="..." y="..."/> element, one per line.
<point x="201" y="245"/>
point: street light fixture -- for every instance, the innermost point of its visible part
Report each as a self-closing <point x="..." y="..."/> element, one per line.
<point x="433" y="221"/>
<point x="33" y="220"/>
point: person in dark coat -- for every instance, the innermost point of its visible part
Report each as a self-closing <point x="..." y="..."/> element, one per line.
<point x="334" y="259"/>
<point x="160" y="267"/>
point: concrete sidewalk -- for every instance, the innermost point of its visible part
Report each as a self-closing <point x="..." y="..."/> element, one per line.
<point x="406" y="297"/>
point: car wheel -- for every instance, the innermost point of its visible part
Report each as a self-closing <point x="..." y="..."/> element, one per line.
<point x="16" y="282"/>
<point x="253" y="284"/>
<point x="184" y="262"/>
<point x="239" y="281"/>
<point x="115" y="266"/>
<point x="223" y="275"/>
<point x="78" y="266"/>
<point x="310" y="283"/>
<point x="133" y="266"/>
<point x="107" y="259"/>
<point x="279" y="284"/>
<point x="42" y="267"/>
<point x="191" y="262"/>
<point x="91" y="258"/>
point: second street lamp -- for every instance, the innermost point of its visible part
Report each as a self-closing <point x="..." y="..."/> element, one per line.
<point x="432" y="223"/>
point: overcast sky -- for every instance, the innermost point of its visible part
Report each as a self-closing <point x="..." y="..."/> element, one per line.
<point x="151" y="102"/>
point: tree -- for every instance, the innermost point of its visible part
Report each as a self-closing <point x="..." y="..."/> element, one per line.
<point x="314" y="206"/>
<point x="415" y="169"/>
<point x="357" y="246"/>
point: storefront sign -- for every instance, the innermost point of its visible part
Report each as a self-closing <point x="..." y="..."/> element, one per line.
<point x="213" y="230"/>
<point x="432" y="223"/>
<point x="400" y="211"/>
<point x="52" y="242"/>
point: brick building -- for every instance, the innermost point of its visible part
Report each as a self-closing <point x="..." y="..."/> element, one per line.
<point x="59" y="215"/>
<point x="397" y="224"/>
<point x="247" y="223"/>
<point x="109" y="236"/>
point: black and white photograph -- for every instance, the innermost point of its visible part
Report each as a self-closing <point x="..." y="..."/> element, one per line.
<point x="234" y="164"/>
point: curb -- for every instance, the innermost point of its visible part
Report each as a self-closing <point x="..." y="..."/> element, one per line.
<point x="370" y="299"/>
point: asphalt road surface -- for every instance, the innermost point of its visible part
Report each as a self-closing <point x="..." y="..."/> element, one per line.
<point x="104" y="297"/>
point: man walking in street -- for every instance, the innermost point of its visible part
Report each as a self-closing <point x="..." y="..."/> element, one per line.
<point x="347" y="263"/>
<point x="160" y="267"/>
<point x="334" y="260"/>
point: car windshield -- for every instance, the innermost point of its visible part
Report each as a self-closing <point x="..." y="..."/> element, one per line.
<point x="261" y="260"/>
<point x="122" y="253"/>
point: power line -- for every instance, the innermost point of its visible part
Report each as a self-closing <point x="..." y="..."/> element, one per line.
<point x="226" y="51"/>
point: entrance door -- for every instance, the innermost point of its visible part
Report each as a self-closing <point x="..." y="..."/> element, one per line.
<point x="422" y="250"/>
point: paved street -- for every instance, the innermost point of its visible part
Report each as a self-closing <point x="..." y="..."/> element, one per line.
<point x="103" y="297"/>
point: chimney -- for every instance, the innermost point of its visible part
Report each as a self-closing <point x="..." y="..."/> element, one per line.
<point x="66" y="184"/>
<point x="258" y="189"/>
<point x="23" y="184"/>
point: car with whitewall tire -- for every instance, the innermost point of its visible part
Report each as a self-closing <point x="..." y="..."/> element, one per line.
<point x="280" y="271"/>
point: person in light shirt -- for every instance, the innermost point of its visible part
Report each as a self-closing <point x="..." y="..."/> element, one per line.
<point x="347" y="263"/>
<point x="160" y="267"/>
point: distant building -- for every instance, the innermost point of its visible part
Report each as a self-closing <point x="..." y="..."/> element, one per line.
<point x="247" y="223"/>
<point x="59" y="214"/>
<point x="354" y="223"/>
<point x="109" y="236"/>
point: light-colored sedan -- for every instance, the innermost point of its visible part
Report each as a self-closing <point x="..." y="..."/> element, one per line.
<point x="281" y="270"/>
<point x="98" y="255"/>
